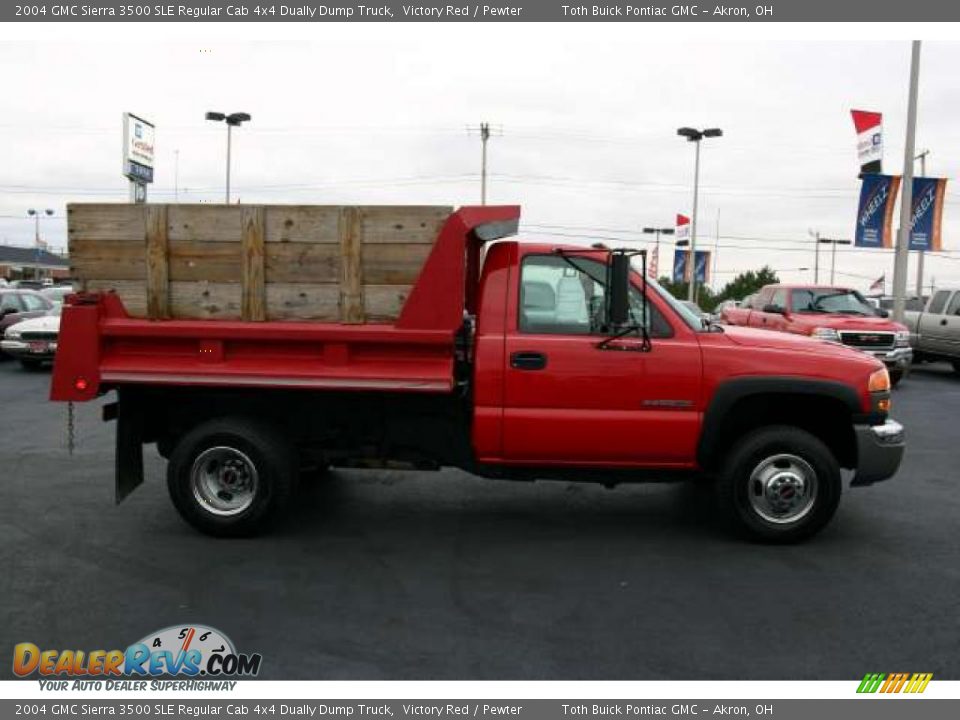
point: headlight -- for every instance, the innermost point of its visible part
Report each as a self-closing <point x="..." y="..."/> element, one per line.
<point x="12" y="334"/>
<point x="903" y="338"/>
<point x="825" y="333"/>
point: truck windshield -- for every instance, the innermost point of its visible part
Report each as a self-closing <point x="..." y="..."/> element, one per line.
<point x="686" y="314"/>
<point x="830" y="300"/>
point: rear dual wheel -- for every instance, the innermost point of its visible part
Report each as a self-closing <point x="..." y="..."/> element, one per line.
<point x="779" y="484"/>
<point x="232" y="476"/>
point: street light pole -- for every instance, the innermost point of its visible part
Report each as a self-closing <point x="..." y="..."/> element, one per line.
<point x="833" y="255"/>
<point x="906" y="195"/>
<point x="35" y="214"/>
<point x="695" y="136"/>
<point x="233" y="119"/>
<point x="658" y="231"/>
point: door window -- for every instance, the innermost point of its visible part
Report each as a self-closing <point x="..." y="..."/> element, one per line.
<point x="33" y="302"/>
<point x="954" y="308"/>
<point x="779" y="298"/>
<point x="939" y="302"/>
<point x="567" y="298"/>
<point x="9" y="301"/>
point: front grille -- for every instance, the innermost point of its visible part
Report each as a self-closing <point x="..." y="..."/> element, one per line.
<point x="35" y="335"/>
<point x="868" y="340"/>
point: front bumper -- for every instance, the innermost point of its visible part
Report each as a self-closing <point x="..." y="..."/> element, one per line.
<point x="38" y="350"/>
<point x="898" y="358"/>
<point x="879" y="451"/>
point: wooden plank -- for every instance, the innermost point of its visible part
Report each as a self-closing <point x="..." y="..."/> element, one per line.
<point x="302" y="262"/>
<point x="351" y="266"/>
<point x="403" y="223"/>
<point x="107" y="260"/>
<point x="158" y="267"/>
<point x="396" y="264"/>
<point x="384" y="302"/>
<point x="205" y="300"/>
<point x="105" y="221"/>
<point x="254" y="298"/>
<point x="198" y="260"/>
<point x="303" y="301"/>
<point x="302" y="224"/>
<point x="133" y="293"/>
<point x="205" y="223"/>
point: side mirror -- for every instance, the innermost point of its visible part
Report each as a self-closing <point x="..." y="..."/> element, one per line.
<point x="883" y="313"/>
<point x="618" y="307"/>
<point x="7" y="311"/>
<point x="775" y="309"/>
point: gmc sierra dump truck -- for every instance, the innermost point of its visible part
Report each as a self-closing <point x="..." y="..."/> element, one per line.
<point x="249" y="343"/>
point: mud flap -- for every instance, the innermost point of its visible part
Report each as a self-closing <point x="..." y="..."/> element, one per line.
<point x="129" y="453"/>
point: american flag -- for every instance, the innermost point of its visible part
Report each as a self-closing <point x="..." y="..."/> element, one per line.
<point x="879" y="283"/>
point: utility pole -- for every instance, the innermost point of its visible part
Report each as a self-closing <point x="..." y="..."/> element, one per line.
<point x="922" y="157"/>
<point x="176" y="176"/>
<point x="816" y="255"/>
<point x="484" y="137"/>
<point x="906" y="195"/>
<point x="716" y="247"/>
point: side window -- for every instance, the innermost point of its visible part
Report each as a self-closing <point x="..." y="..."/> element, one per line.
<point x="33" y="303"/>
<point x="762" y="299"/>
<point x="9" y="301"/>
<point x="939" y="302"/>
<point x="954" y="308"/>
<point x="556" y="297"/>
<point x="779" y="298"/>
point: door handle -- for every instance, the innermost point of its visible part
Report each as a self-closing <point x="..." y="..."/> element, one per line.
<point x="528" y="360"/>
<point x="943" y="322"/>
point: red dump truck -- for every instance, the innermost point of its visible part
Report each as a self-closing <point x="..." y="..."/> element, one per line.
<point x="507" y="359"/>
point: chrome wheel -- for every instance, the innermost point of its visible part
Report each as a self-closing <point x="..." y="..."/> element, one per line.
<point x="782" y="488"/>
<point x="224" y="481"/>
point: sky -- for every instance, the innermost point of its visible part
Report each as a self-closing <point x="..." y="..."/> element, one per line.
<point x="584" y="121"/>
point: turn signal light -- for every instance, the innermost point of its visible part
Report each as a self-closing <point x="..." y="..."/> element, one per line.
<point x="883" y="405"/>
<point x="80" y="384"/>
<point x="879" y="381"/>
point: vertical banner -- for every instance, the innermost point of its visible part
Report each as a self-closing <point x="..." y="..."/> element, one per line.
<point x="927" y="214"/>
<point x="869" y="127"/>
<point x="653" y="262"/>
<point x="703" y="266"/>
<point x="680" y="270"/>
<point x="878" y="195"/>
<point x="683" y="228"/>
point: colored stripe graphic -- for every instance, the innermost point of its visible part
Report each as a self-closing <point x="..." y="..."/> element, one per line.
<point x="892" y="683"/>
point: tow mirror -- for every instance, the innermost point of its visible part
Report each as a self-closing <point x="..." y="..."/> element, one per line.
<point x="883" y="313"/>
<point x="775" y="309"/>
<point x="618" y="309"/>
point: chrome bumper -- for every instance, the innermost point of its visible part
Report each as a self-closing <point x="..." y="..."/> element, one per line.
<point x="879" y="451"/>
<point x="900" y="357"/>
<point x="19" y="349"/>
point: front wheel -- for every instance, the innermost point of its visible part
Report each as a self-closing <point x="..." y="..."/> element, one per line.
<point x="780" y="485"/>
<point x="231" y="476"/>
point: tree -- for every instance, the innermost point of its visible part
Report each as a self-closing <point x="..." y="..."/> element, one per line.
<point x="742" y="285"/>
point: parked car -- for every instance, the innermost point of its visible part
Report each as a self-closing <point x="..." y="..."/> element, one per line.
<point x="836" y="314"/>
<point x="17" y="305"/>
<point x="33" y="342"/>
<point x="935" y="331"/>
<point x="57" y="294"/>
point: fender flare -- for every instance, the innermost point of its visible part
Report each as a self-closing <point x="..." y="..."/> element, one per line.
<point x="730" y="392"/>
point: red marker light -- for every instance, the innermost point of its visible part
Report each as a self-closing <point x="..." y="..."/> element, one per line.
<point x="80" y="384"/>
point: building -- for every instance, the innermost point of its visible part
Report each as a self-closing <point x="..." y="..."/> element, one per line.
<point x="26" y="263"/>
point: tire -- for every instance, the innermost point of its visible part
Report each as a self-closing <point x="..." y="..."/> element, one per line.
<point x="787" y="457"/>
<point x="896" y="376"/>
<point x="232" y="477"/>
<point x="31" y="364"/>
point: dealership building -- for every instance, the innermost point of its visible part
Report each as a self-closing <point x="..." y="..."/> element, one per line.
<point x="26" y="263"/>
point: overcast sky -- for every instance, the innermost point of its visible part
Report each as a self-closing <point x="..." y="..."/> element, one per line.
<point x="379" y="115"/>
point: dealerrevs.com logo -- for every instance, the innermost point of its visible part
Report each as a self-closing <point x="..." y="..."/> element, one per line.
<point x="894" y="683"/>
<point x="187" y="651"/>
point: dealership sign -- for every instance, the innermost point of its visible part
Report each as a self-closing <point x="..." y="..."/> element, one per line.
<point x="927" y="214"/>
<point x="875" y="213"/>
<point x="138" y="149"/>
<point x="682" y="266"/>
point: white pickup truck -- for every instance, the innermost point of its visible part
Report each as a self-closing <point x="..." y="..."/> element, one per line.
<point x="935" y="331"/>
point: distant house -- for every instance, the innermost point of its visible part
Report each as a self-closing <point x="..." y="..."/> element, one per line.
<point x="18" y="263"/>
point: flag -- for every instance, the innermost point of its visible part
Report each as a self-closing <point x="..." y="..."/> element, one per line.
<point x="927" y="214"/>
<point x="879" y="284"/>
<point x="683" y="228"/>
<point x="878" y="195"/>
<point x="680" y="270"/>
<point x="869" y="127"/>
<point x="653" y="262"/>
<point x="703" y="266"/>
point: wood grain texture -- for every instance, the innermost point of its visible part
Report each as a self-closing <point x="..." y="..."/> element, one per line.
<point x="351" y="266"/>
<point x="303" y="301"/>
<point x="252" y="282"/>
<point x="158" y="266"/>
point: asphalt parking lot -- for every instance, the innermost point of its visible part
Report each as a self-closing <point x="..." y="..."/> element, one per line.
<point x="388" y="575"/>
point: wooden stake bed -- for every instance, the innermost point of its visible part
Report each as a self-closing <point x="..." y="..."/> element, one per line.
<point x="349" y="264"/>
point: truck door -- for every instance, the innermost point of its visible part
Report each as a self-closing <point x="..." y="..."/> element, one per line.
<point x="934" y="324"/>
<point x="568" y="402"/>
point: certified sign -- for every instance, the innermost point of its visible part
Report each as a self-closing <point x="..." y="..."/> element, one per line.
<point x="138" y="149"/>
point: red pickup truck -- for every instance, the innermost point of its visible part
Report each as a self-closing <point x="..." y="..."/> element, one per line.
<point x="509" y="360"/>
<point x="835" y="314"/>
